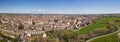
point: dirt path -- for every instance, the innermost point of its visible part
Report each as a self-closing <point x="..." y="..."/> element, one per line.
<point x="102" y="36"/>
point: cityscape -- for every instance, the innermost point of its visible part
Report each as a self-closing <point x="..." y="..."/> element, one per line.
<point x="59" y="21"/>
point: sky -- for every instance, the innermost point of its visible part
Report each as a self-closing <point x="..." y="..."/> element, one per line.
<point x="60" y="6"/>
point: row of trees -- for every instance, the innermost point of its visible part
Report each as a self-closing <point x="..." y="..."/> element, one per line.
<point x="65" y="36"/>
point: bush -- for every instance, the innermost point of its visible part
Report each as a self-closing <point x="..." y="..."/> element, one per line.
<point x="21" y="26"/>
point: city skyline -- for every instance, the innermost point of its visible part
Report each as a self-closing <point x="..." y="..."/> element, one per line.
<point x="60" y="6"/>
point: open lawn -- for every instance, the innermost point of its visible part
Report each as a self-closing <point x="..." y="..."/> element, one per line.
<point x="109" y="38"/>
<point x="100" y="23"/>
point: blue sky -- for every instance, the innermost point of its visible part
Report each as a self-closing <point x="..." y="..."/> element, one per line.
<point x="60" y="6"/>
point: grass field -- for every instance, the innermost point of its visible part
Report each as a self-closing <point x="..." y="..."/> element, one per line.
<point x="109" y="38"/>
<point x="100" y="23"/>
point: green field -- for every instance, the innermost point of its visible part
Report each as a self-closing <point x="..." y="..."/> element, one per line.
<point x="109" y="38"/>
<point x="100" y="23"/>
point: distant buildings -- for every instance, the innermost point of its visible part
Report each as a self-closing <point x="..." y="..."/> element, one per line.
<point x="34" y="25"/>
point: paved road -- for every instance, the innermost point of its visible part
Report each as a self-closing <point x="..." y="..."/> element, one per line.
<point x="102" y="36"/>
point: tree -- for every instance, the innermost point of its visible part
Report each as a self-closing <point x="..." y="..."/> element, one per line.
<point x="62" y="35"/>
<point x="81" y="37"/>
<point x="33" y="22"/>
<point x="100" y="31"/>
<point x="112" y="26"/>
<point x="3" y="40"/>
<point x="117" y="21"/>
<point x="53" y="40"/>
<point x="55" y="20"/>
<point x="21" y="26"/>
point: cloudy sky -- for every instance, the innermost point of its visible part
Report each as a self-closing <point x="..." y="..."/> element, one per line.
<point x="60" y="6"/>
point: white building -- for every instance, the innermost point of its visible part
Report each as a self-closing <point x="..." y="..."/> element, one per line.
<point x="44" y="35"/>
